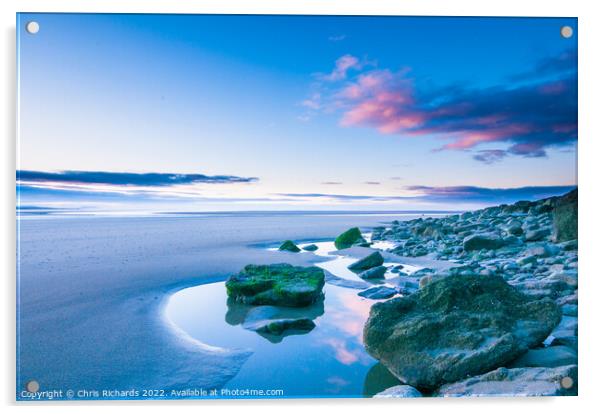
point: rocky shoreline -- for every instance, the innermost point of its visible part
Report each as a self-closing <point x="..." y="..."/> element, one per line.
<point x="493" y="313"/>
<point x="502" y="321"/>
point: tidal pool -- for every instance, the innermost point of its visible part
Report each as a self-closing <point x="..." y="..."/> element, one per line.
<point x="328" y="360"/>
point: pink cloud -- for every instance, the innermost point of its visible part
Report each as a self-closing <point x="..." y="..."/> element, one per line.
<point x="342" y="65"/>
<point x="525" y="117"/>
<point x="342" y="353"/>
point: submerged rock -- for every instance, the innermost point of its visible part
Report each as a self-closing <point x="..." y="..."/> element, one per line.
<point x="565" y="217"/>
<point x="276" y="284"/>
<point x="378" y="292"/>
<point x="399" y="391"/>
<point x="349" y="238"/>
<point x="516" y="382"/>
<point x="377" y="272"/>
<point x="310" y="248"/>
<point x="289" y="246"/>
<point x="456" y="326"/>
<point x="368" y="262"/>
<point x="486" y="241"/>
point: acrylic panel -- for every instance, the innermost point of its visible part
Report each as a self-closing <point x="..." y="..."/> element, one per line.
<point x="254" y="206"/>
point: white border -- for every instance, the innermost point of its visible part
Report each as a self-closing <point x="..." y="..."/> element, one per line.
<point x="590" y="152"/>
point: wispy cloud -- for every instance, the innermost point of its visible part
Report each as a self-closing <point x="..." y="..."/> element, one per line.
<point x="126" y="178"/>
<point x="337" y="38"/>
<point x="372" y="182"/>
<point x="490" y="156"/>
<point x="331" y="183"/>
<point x="528" y="113"/>
<point x="342" y="66"/>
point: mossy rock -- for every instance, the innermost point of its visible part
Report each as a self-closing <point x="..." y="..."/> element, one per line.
<point x="455" y="327"/>
<point x="277" y="284"/>
<point x="289" y="246"/>
<point x="349" y="238"/>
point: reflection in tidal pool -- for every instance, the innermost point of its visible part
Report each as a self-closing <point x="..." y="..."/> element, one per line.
<point x="323" y="356"/>
<point x="328" y="360"/>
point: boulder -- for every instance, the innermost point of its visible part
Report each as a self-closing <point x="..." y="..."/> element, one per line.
<point x="277" y="284"/>
<point x="550" y="357"/>
<point x="564" y="217"/>
<point x="514" y="228"/>
<point x="399" y="391"/>
<point x="368" y="262"/>
<point x="289" y="246"/>
<point x="536" y="235"/>
<point x="516" y="382"/>
<point x="454" y="327"/>
<point x="377" y="272"/>
<point x="378" y="292"/>
<point x="480" y="241"/>
<point x="349" y="238"/>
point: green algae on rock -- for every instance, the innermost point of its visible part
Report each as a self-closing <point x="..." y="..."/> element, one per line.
<point x="289" y="246"/>
<point x="349" y="238"/>
<point x="454" y="327"/>
<point x="276" y="284"/>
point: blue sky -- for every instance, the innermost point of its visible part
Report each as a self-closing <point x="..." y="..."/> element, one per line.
<point x="358" y="113"/>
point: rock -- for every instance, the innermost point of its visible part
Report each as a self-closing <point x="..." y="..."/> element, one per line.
<point x="349" y="238"/>
<point x="565" y="333"/>
<point x="525" y="260"/>
<point x="310" y="248"/>
<point x="564" y="217"/>
<point x="289" y="246"/>
<point x="514" y="228"/>
<point x="569" y="310"/>
<point x="399" y="391"/>
<point x="378" y="292"/>
<point x="456" y="326"/>
<point x="482" y="241"/>
<point x="377" y="272"/>
<point x="550" y="357"/>
<point x="536" y="235"/>
<point x="544" y="250"/>
<point x="368" y="262"/>
<point x="516" y="382"/>
<point x="569" y="245"/>
<point x="276" y="284"/>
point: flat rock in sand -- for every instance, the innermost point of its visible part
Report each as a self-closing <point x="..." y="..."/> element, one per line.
<point x="516" y="382"/>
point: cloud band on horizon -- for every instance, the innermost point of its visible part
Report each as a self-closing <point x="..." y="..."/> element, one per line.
<point x="448" y="194"/>
<point x="126" y="178"/>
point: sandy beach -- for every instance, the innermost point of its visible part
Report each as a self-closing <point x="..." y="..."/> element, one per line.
<point x="92" y="290"/>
